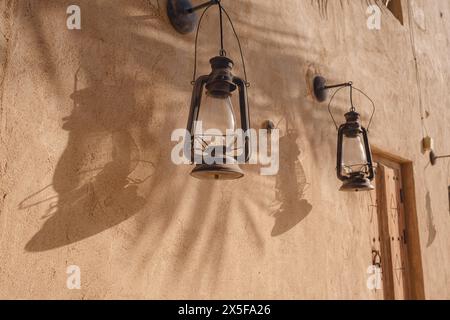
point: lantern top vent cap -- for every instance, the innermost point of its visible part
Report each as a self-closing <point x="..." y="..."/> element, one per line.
<point x="220" y="83"/>
<point x="352" y="116"/>
<point x="221" y="62"/>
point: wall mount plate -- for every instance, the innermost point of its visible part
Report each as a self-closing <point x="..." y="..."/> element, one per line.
<point x="433" y="158"/>
<point x="181" y="20"/>
<point x="319" y="88"/>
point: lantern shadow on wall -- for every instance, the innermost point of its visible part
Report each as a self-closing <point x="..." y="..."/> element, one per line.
<point x="93" y="178"/>
<point x="431" y="227"/>
<point x="291" y="185"/>
<point x="78" y="194"/>
<point x="67" y="219"/>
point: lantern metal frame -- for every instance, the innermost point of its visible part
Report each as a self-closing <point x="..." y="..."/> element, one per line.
<point x="220" y="83"/>
<point x="358" y="181"/>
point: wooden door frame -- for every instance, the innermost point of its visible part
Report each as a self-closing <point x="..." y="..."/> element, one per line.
<point x="415" y="283"/>
<point x="383" y="228"/>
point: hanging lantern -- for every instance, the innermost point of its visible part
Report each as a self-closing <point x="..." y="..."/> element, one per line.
<point x="213" y="143"/>
<point x="212" y="123"/>
<point x="354" y="156"/>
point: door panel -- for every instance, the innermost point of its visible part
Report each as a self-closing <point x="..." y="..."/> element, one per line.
<point x="374" y="271"/>
<point x="391" y="230"/>
<point x="396" y="231"/>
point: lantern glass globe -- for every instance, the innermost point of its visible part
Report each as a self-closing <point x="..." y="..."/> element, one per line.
<point x="354" y="160"/>
<point x="216" y="121"/>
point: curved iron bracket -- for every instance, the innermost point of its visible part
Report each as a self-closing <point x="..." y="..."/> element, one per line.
<point x="182" y="14"/>
<point x="321" y="89"/>
<point x="434" y="158"/>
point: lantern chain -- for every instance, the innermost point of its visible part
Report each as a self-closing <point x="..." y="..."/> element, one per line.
<point x="352" y="107"/>
<point x="222" y="51"/>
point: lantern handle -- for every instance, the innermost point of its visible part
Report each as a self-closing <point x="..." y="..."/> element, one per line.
<point x="222" y="51"/>
<point x="345" y="85"/>
<point x="329" y="107"/>
<point x="247" y="84"/>
<point x="373" y="106"/>
<point x="196" y="42"/>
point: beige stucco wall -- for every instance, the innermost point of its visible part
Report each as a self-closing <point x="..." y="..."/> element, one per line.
<point x="65" y="169"/>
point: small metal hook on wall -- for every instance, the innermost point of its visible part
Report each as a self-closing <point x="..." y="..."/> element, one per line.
<point x="434" y="157"/>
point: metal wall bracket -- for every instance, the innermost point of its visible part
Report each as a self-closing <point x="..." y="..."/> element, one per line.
<point x="181" y="19"/>
<point x="434" y="157"/>
<point x="321" y="89"/>
<point x="182" y="14"/>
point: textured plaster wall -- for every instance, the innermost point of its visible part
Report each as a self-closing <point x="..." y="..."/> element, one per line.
<point x="86" y="177"/>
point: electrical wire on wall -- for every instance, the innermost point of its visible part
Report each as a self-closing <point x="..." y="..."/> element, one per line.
<point x="423" y="113"/>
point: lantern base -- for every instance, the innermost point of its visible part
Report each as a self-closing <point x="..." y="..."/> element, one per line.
<point x="183" y="21"/>
<point x="217" y="172"/>
<point x="357" y="184"/>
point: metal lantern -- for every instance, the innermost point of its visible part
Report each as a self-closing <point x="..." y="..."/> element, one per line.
<point x="212" y="109"/>
<point x="213" y="143"/>
<point x="354" y="157"/>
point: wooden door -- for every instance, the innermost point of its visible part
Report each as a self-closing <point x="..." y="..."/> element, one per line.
<point x="375" y="270"/>
<point x="392" y="230"/>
